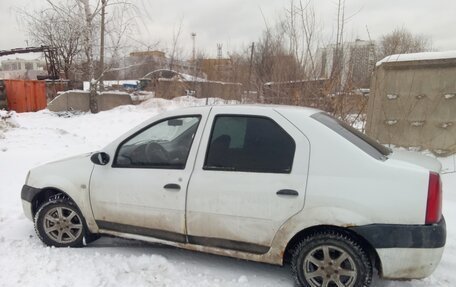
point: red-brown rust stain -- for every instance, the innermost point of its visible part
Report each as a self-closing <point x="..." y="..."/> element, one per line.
<point x="272" y="257"/>
<point x="218" y="229"/>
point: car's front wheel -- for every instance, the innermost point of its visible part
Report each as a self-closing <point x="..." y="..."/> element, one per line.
<point x="331" y="259"/>
<point x="59" y="223"/>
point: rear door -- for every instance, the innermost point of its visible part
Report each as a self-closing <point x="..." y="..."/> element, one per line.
<point x="249" y="178"/>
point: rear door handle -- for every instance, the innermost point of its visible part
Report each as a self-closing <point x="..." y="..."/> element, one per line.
<point x="172" y="186"/>
<point x="287" y="192"/>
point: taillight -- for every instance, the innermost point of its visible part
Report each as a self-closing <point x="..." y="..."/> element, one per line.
<point x="434" y="200"/>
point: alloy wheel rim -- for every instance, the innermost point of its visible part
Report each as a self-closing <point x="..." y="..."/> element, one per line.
<point x="329" y="266"/>
<point x="62" y="225"/>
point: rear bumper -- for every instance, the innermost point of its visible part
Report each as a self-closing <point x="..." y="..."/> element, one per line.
<point x="406" y="251"/>
<point x="404" y="236"/>
<point x="408" y="263"/>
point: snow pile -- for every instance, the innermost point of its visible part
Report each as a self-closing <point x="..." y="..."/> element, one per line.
<point x="25" y="261"/>
<point x="7" y="120"/>
<point x="166" y="74"/>
<point x="191" y="78"/>
<point x="425" y="56"/>
<point x="140" y="96"/>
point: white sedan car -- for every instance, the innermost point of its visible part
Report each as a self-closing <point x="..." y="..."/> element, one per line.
<point x="272" y="184"/>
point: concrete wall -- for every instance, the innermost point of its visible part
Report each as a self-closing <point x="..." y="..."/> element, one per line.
<point x="169" y="89"/>
<point x="413" y="104"/>
<point x="110" y="100"/>
<point x="79" y="101"/>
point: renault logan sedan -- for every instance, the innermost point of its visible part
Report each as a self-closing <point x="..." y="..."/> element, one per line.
<point x="272" y="184"/>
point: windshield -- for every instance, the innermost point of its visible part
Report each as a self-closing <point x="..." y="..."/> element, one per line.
<point x="362" y="141"/>
<point x="165" y="131"/>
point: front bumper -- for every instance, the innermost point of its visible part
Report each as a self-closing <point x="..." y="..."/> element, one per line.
<point x="27" y="195"/>
<point x="406" y="251"/>
<point x="27" y="207"/>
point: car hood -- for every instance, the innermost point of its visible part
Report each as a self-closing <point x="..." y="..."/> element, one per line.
<point x="63" y="173"/>
<point x="416" y="158"/>
<point x="79" y="156"/>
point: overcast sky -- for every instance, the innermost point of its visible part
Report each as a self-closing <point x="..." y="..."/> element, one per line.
<point x="236" y="23"/>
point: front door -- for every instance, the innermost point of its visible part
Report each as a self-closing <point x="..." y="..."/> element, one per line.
<point x="144" y="190"/>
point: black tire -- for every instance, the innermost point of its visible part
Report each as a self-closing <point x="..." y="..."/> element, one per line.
<point x="312" y="267"/>
<point x="59" y="223"/>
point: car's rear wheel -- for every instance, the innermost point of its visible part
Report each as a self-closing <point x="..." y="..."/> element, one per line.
<point x="331" y="259"/>
<point x="59" y="223"/>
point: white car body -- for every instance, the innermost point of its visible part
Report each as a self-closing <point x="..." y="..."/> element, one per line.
<point x="338" y="185"/>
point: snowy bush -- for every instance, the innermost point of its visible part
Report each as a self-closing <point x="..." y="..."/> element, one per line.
<point x="7" y="120"/>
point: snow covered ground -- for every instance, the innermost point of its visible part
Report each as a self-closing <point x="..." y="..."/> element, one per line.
<point x="25" y="261"/>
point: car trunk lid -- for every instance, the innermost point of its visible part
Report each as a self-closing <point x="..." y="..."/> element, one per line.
<point x="418" y="159"/>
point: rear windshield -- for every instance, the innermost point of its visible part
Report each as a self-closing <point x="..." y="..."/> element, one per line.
<point x="365" y="143"/>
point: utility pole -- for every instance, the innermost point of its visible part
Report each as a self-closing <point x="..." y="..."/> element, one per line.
<point x="194" y="65"/>
<point x="250" y="70"/>
<point x="218" y="65"/>
<point x="219" y="51"/>
<point x="102" y="39"/>
<point x="194" y="48"/>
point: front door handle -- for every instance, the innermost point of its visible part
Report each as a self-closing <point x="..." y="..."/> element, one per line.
<point x="287" y="192"/>
<point x="172" y="186"/>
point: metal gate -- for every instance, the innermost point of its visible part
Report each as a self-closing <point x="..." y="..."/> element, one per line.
<point x="25" y="95"/>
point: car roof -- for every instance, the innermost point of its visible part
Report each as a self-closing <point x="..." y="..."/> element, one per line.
<point x="280" y="108"/>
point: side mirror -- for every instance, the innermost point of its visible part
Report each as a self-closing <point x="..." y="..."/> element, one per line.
<point x="100" y="158"/>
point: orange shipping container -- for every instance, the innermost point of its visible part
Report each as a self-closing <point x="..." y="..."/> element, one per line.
<point x="25" y="95"/>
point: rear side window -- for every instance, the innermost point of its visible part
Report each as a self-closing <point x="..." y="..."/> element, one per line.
<point x="362" y="141"/>
<point x="245" y="143"/>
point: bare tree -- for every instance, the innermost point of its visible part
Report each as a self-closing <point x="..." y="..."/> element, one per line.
<point x="104" y="3"/>
<point x="402" y="41"/>
<point x="274" y="63"/>
<point x="119" y="24"/>
<point x="78" y="34"/>
<point x="175" y="48"/>
<point x="338" y="57"/>
<point x="46" y="27"/>
<point x="301" y="28"/>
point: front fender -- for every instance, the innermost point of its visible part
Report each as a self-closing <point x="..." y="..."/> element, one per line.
<point x="71" y="176"/>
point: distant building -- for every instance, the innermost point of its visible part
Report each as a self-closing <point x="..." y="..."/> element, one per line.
<point x="143" y="62"/>
<point x="22" y="69"/>
<point x="168" y="84"/>
<point x="355" y="61"/>
<point x="140" y="63"/>
<point x="219" y="69"/>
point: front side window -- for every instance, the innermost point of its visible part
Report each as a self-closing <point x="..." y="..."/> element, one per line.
<point x="163" y="145"/>
<point x="245" y="143"/>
